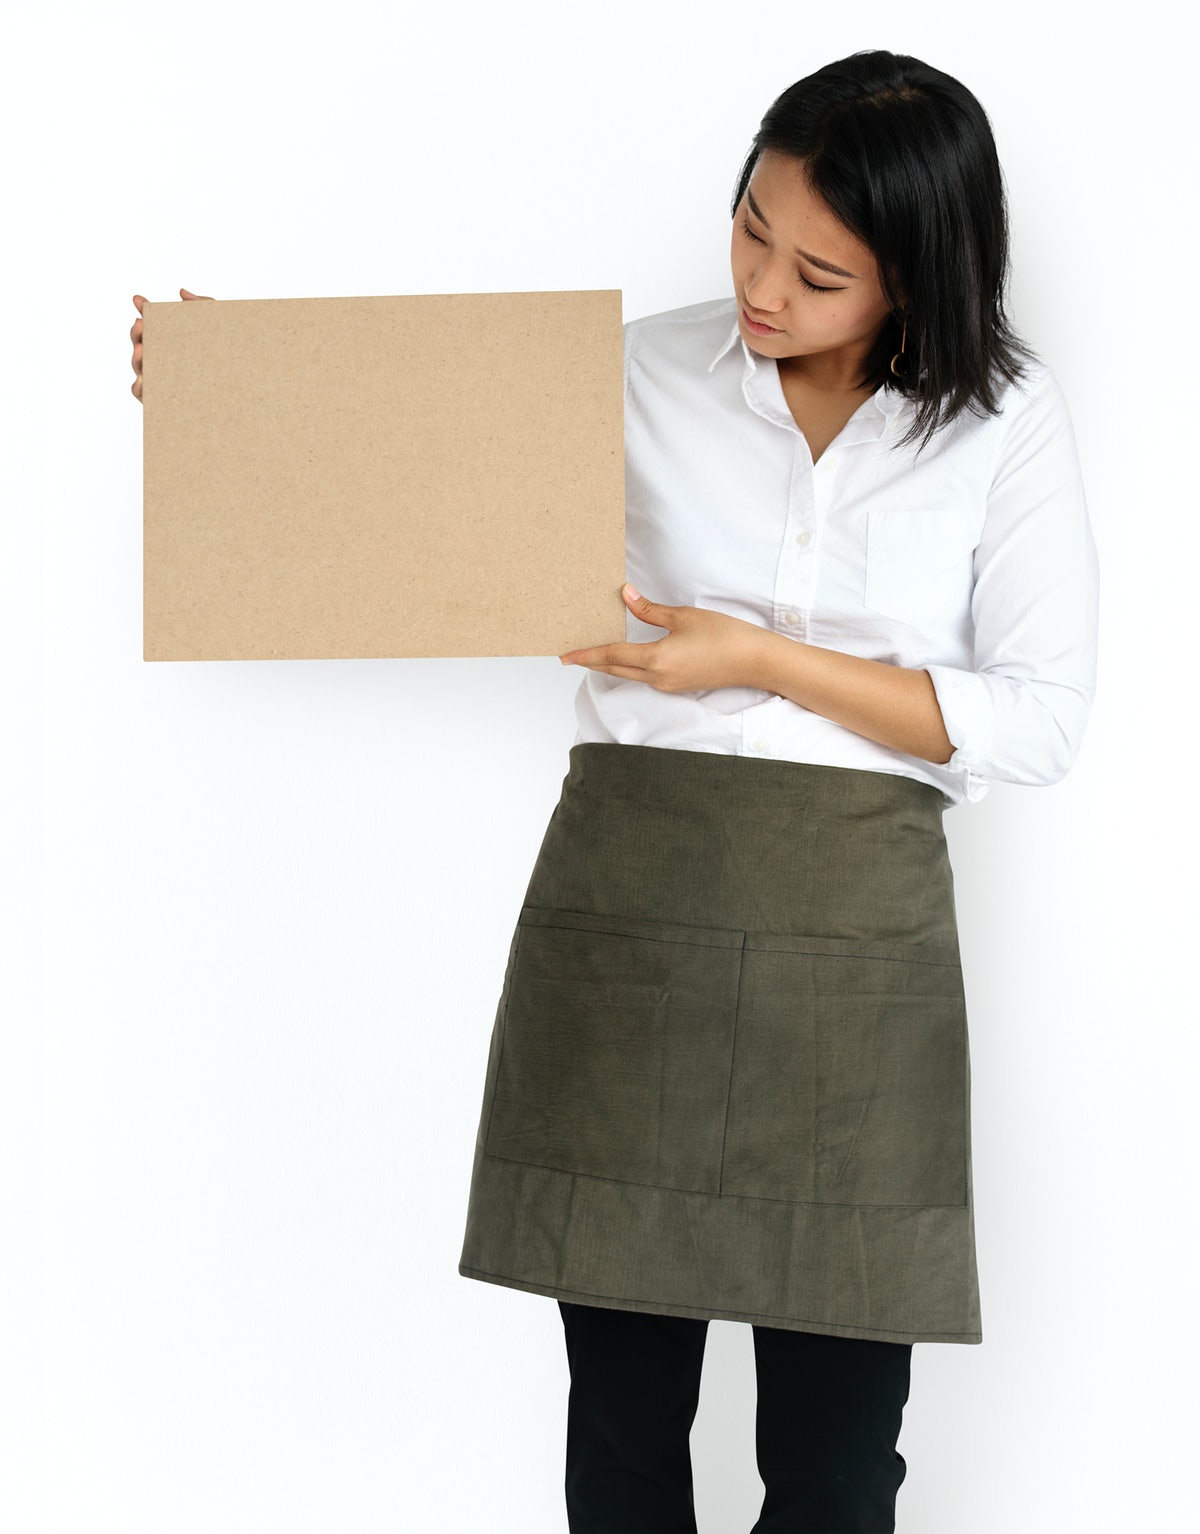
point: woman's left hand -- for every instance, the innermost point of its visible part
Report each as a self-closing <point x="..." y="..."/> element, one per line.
<point x="703" y="649"/>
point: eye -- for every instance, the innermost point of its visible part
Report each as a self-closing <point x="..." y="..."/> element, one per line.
<point x="811" y="286"/>
<point x="750" y="231"/>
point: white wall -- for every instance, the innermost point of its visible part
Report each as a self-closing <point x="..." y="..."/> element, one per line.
<point x="278" y="896"/>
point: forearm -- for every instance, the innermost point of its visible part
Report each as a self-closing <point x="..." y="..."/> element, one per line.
<point x="891" y="704"/>
<point x="706" y="649"/>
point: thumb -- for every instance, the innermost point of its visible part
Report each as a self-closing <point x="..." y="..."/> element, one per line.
<point x="654" y="613"/>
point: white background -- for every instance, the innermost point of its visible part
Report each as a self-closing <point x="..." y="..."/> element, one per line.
<point x="277" y="897"/>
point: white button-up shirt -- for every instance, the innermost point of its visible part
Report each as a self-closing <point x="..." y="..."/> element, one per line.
<point x="973" y="560"/>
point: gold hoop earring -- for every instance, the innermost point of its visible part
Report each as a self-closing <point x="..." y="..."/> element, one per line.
<point x="900" y="370"/>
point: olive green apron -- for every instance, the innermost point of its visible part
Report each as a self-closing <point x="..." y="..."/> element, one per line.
<point x="729" y="1075"/>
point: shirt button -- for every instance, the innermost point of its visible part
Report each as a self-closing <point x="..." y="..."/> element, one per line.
<point x="758" y="745"/>
<point x="791" y="617"/>
<point x="803" y="539"/>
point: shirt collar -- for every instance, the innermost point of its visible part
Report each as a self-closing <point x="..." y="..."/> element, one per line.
<point x="888" y="401"/>
<point x="734" y="335"/>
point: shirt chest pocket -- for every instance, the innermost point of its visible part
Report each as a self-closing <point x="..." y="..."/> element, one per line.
<point x="919" y="562"/>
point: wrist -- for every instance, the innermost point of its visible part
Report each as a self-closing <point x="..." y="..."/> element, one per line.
<point x="768" y="658"/>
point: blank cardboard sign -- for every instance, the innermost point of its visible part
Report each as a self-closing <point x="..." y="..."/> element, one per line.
<point x="439" y="474"/>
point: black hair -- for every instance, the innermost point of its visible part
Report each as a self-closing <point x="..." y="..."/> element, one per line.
<point x="904" y="157"/>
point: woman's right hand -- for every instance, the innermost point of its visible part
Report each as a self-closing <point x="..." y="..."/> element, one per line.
<point x="135" y="335"/>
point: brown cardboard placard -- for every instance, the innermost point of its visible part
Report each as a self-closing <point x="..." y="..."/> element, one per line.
<point x="423" y="475"/>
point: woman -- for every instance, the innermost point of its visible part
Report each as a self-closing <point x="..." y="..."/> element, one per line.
<point x="729" y="1075"/>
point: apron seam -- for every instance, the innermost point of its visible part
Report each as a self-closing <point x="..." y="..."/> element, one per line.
<point x="503" y="1041"/>
<point x="636" y="937"/>
<point x="737" y="1012"/>
<point x="663" y="1187"/>
<point x="748" y="939"/>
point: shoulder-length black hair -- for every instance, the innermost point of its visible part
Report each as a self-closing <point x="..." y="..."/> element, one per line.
<point x="904" y="156"/>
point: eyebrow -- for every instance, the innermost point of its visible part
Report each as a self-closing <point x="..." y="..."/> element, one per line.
<point x="826" y="266"/>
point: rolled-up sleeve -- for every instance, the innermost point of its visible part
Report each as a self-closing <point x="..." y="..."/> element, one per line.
<point x="1019" y="715"/>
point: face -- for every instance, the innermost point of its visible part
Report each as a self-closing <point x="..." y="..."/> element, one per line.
<point x="810" y="309"/>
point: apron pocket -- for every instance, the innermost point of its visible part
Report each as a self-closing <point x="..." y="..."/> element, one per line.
<point x="848" y="1083"/>
<point x="614" y="1057"/>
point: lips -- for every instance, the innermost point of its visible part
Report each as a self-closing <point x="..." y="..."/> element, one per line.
<point x="763" y="323"/>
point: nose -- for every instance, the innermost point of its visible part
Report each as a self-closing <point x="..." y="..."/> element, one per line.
<point x="761" y="294"/>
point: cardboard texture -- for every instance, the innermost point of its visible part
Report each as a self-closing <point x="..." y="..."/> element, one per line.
<point x="439" y="474"/>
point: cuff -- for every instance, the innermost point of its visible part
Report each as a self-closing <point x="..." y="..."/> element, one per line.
<point x="969" y="715"/>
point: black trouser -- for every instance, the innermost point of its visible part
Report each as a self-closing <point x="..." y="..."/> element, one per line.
<point x="828" y="1418"/>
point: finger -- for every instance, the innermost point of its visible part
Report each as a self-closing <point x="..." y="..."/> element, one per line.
<point x="653" y="613"/>
<point x="609" y="655"/>
<point x="185" y="294"/>
<point x="135" y="388"/>
<point x="138" y="301"/>
<point x="626" y="673"/>
<point x="137" y="360"/>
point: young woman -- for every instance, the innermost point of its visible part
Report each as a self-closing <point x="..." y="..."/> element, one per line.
<point x="729" y="1075"/>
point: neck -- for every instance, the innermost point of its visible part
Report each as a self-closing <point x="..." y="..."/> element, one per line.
<point x="827" y="373"/>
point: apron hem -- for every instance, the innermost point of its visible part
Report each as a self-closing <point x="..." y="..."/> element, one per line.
<point x="707" y="1313"/>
